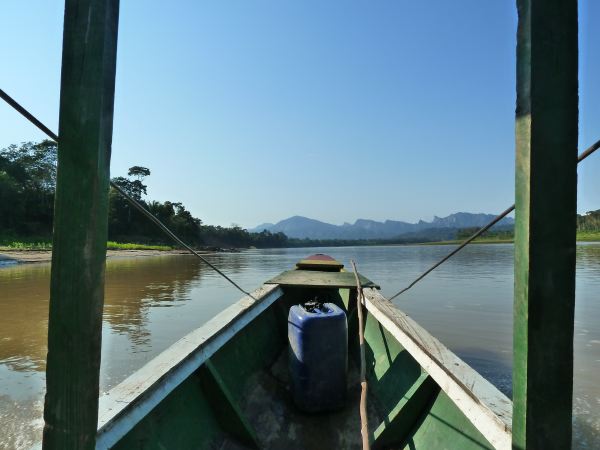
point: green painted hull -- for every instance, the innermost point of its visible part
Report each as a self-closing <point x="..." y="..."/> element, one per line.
<point x="238" y="396"/>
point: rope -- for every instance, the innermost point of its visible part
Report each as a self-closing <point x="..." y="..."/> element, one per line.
<point x="8" y="99"/>
<point x="172" y="235"/>
<point x="127" y="197"/>
<point x="479" y="232"/>
<point x="456" y="250"/>
<point x="148" y="214"/>
<point x="588" y="152"/>
<point x="364" y="419"/>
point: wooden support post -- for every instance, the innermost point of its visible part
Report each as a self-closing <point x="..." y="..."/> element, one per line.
<point x="80" y="223"/>
<point x="546" y="198"/>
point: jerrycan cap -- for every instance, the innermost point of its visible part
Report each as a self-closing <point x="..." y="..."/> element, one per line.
<point x="315" y="306"/>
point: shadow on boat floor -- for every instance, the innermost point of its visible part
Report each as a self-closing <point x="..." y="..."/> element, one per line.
<point x="278" y="424"/>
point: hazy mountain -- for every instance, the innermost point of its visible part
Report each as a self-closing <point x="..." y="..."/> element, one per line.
<point x="303" y="227"/>
<point x="264" y="226"/>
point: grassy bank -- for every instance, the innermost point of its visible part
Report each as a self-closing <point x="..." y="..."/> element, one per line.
<point x="129" y="246"/>
<point x="9" y="243"/>
<point x="588" y="236"/>
<point x="40" y="244"/>
<point x="44" y="244"/>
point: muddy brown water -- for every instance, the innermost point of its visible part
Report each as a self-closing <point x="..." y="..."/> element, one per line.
<point x="152" y="302"/>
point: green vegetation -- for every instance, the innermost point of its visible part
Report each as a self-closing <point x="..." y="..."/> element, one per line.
<point x="27" y="182"/>
<point x="110" y="245"/>
<point x="31" y="244"/>
<point x="588" y="236"/>
<point x="15" y="243"/>
<point x="428" y="235"/>
<point x="127" y="224"/>
<point x="476" y="241"/>
<point x="28" y="177"/>
<point x="589" y="222"/>
<point x="503" y="234"/>
<point x="588" y="230"/>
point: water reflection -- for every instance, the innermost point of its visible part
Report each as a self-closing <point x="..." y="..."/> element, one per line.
<point x="24" y="316"/>
<point x="133" y="287"/>
<point x="152" y="302"/>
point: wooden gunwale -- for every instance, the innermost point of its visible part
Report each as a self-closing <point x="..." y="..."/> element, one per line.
<point x="125" y="405"/>
<point x="130" y="401"/>
<point x="482" y="403"/>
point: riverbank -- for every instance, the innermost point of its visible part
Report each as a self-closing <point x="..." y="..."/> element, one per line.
<point x="40" y="256"/>
<point x="11" y="244"/>
<point x="582" y="236"/>
<point x="476" y="241"/>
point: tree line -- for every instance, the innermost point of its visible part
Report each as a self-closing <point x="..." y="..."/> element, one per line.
<point x="588" y="222"/>
<point x="28" y="180"/>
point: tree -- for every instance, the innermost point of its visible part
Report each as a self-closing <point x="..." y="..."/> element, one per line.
<point x="10" y="207"/>
<point x="134" y="188"/>
<point x="28" y="182"/>
<point x="139" y="172"/>
<point x="589" y="222"/>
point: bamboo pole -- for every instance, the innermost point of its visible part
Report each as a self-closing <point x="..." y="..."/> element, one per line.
<point x="80" y="224"/>
<point x="545" y="229"/>
<point x="364" y="419"/>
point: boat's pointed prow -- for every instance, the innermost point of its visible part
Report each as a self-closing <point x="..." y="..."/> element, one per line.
<point x="320" y="261"/>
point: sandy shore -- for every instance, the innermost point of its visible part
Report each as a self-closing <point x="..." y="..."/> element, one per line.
<point x="39" y="256"/>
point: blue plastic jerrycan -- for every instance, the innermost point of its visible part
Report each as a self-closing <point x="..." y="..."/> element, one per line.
<point x="318" y="356"/>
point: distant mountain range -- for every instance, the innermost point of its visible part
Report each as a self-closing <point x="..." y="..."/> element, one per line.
<point x="305" y="228"/>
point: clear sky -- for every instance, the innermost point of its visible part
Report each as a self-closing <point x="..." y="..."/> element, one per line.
<point x="253" y="111"/>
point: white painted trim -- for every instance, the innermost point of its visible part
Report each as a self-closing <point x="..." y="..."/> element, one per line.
<point x="130" y="401"/>
<point x="484" y="405"/>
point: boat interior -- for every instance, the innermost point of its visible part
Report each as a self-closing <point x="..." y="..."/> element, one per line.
<point x="227" y="386"/>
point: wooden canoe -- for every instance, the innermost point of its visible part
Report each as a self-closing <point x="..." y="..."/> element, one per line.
<point x="225" y="385"/>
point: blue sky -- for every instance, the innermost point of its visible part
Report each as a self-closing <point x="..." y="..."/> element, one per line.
<point x="253" y="111"/>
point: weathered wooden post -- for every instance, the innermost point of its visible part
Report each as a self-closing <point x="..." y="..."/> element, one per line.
<point x="80" y="223"/>
<point x="545" y="232"/>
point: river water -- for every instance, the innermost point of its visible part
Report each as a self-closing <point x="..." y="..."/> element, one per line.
<point x="152" y="302"/>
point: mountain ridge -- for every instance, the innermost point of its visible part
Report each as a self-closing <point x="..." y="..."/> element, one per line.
<point x="300" y="227"/>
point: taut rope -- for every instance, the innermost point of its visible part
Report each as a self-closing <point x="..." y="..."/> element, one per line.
<point x="482" y="230"/>
<point x="8" y="99"/>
